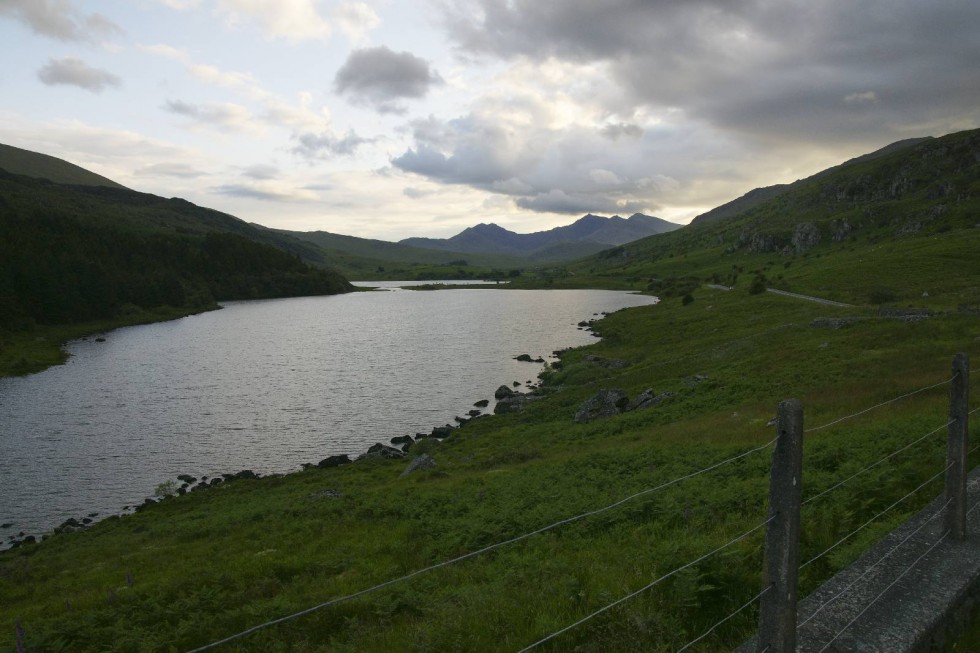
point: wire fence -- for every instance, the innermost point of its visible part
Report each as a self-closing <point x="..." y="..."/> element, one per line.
<point x="740" y="537"/>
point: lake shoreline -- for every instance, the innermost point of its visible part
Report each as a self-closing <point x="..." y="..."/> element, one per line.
<point x="84" y="517"/>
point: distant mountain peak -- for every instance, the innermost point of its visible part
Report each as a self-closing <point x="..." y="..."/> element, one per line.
<point x="588" y="234"/>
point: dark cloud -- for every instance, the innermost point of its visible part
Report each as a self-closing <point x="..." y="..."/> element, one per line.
<point x="265" y="193"/>
<point x="782" y="70"/>
<point x="58" y="19"/>
<point x="557" y="201"/>
<point x="619" y="130"/>
<point x="311" y="145"/>
<point x="75" y="72"/>
<point x="548" y="170"/>
<point x="261" y="171"/>
<point x="381" y="78"/>
<point x="224" y="116"/>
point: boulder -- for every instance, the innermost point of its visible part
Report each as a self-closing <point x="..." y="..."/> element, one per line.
<point x="483" y="403"/>
<point x="334" y="461"/>
<point x="402" y="439"/>
<point x="607" y="363"/>
<point x="425" y="461"/>
<point x="502" y="392"/>
<point x="513" y="404"/>
<point x="647" y="399"/>
<point x="605" y="403"/>
<point x="325" y="494"/>
<point x="382" y="451"/>
<point x="474" y="413"/>
<point x="245" y="473"/>
<point x="442" y="431"/>
<point x="525" y="358"/>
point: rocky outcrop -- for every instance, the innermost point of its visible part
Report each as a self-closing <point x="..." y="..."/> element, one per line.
<point x="334" y="461"/>
<point x="442" y="432"/>
<point x="806" y="236"/>
<point x="382" y="451"/>
<point x="526" y="358"/>
<point x="515" y="403"/>
<point x="502" y="393"/>
<point x="425" y="461"/>
<point x="834" y="322"/>
<point x="605" y="403"/>
<point x="607" y="363"/>
<point x="608" y="403"/>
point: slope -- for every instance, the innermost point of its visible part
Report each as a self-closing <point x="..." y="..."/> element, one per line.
<point x="910" y="213"/>
<point x="34" y="164"/>
<point x="363" y="258"/>
<point x="197" y="568"/>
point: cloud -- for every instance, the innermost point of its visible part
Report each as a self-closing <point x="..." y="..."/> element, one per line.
<point x="261" y="171"/>
<point x="75" y="72"/>
<point x="58" y="19"/>
<point x="764" y="70"/>
<point x="867" y="97"/>
<point x="293" y="20"/>
<point x="557" y="201"/>
<point x="615" y="131"/>
<point x="506" y="147"/>
<point x="221" y="115"/>
<point x="178" y="170"/>
<point x="268" y="191"/>
<point x="356" y="19"/>
<point x="325" y="144"/>
<point x="380" y="78"/>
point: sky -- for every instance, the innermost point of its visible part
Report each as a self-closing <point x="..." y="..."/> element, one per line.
<point x="395" y="118"/>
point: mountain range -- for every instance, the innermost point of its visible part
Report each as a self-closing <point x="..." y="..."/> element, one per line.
<point x="587" y="235"/>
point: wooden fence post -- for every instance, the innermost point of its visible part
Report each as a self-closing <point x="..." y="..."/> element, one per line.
<point x="777" y="609"/>
<point x="957" y="447"/>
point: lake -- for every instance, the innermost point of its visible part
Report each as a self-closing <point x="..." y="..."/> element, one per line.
<point x="266" y="386"/>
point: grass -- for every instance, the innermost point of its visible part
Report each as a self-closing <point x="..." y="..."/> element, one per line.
<point x="213" y="563"/>
<point x="36" y="349"/>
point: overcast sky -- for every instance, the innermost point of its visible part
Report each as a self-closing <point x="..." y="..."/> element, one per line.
<point x="396" y="118"/>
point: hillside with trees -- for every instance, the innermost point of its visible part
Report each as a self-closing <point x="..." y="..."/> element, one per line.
<point x="74" y="254"/>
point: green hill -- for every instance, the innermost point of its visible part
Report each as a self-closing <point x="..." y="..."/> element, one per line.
<point x="896" y="228"/>
<point x="79" y="258"/>
<point x="198" y="567"/>
<point x="34" y="164"/>
<point x="363" y="258"/>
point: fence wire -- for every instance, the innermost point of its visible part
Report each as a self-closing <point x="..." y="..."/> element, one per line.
<point x="485" y="549"/>
<point x="876" y="406"/>
<point x="882" y="593"/>
<point x="873" y="519"/>
<point x="630" y="498"/>
<point x="875" y="464"/>
<point x="710" y="630"/>
<point x="647" y="586"/>
<point x="872" y="567"/>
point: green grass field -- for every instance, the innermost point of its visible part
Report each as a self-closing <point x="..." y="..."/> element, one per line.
<point x="210" y="564"/>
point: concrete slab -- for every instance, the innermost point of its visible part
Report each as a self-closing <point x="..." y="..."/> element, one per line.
<point x="910" y="592"/>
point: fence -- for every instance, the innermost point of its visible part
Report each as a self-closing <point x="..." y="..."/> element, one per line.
<point x="778" y="620"/>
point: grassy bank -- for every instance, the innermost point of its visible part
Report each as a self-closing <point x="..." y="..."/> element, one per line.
<point x="197" y="568"/>
<point x="30" y="351"/>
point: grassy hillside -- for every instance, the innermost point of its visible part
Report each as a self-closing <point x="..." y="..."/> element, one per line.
<point x="364" y="258"/>
<point x="212" y="563"/>
<point x="42" y="166"/>
<point x="196" y="568"/>
<point x="894" y="229"/>
<point x="103" y="257"/>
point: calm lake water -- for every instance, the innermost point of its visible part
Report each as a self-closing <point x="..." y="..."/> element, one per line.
<point x="267" y="386"/>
